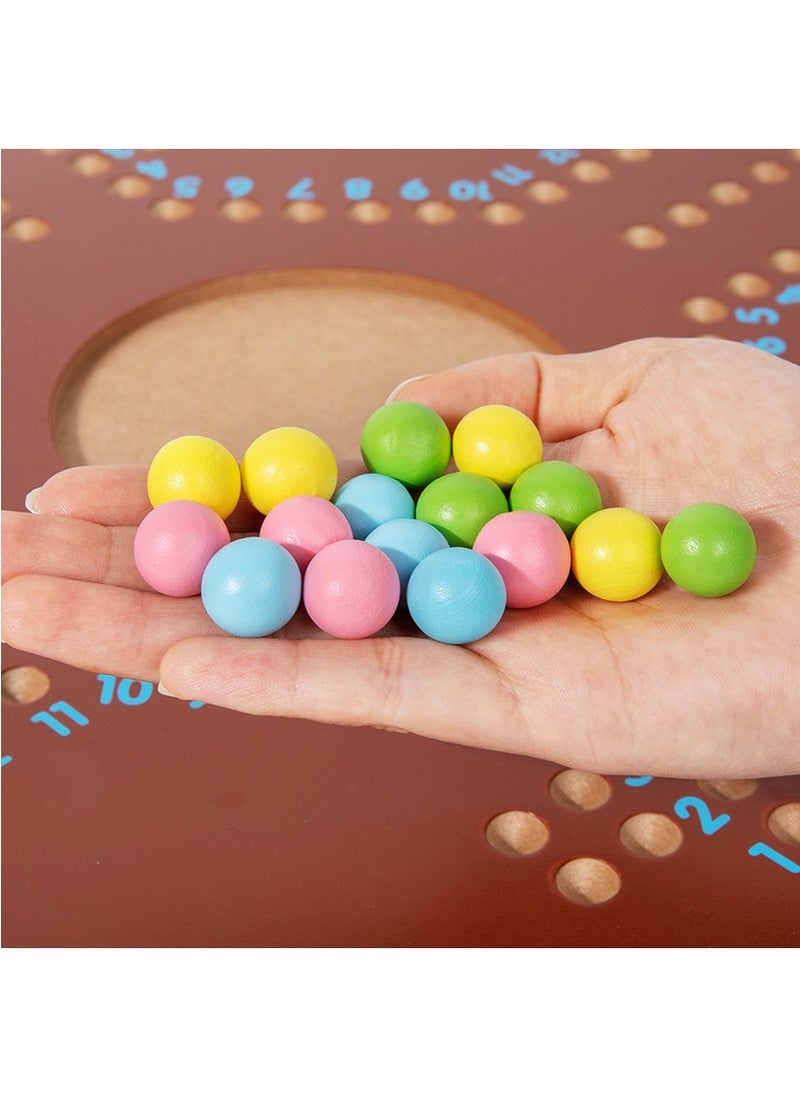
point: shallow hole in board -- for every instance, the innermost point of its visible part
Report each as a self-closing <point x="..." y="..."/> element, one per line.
<point x="130" y="186"/>
<point x="633" y="155"/>
<point x="369" y="212"/>
<point x="728" y="789"/>
<point x="786" y="259"/>
<point x="240" y="209"/>
<point x="435" y="212"/>
<point x="644" y="237"/>
<point x="502" y="213"/>
<point x="651" y="834"/>
<point x="304" y="213"/>
<point x="27" y="229"/>
<point x="520" y="833"/>
<point x="547" y="191"/>
<point x="319" y="348"/>
<point x="769" y="171"/>
<point x="687" y="214"/>
<point x="704" y="309"/>
<point x="747" y="284"/>
<point x="588" y="881"/>
<point x="172" y="209"/>
<point x="580" y="790"/>
<point x="90" y="163"/>
<point x="24" y="684"/>
<point x="590" y="171"/>
<point x="784" y="823"/>
<point x="729" y="192"/>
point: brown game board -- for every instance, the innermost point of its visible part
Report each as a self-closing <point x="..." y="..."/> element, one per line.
<point x="149" y="293"/>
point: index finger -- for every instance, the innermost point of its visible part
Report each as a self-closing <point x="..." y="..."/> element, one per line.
<point x="103" y="494"/>
<point x="116" y="494"/>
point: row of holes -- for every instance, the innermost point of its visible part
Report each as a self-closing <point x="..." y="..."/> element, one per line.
<point x="591" y="881"/>
<point x="434" y="212"/>
<point x="745" y="284"/>
<point x="700" y="309"/>
<point x="522" y="832"/>
<point x="688" y="214"/>
<point x="584" y="170"/>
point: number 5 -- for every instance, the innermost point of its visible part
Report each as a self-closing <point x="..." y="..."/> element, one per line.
<point x="757" y="315"/>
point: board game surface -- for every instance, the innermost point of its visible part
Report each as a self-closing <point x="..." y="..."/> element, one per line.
<point x="152" y="293"/>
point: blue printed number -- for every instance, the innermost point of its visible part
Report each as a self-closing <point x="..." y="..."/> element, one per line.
<point x="511" y="174"/>
<point x="357" y="190"/>
<point x="154" y="169"/>
<point x="760" y="849"/>
<point x="790" y="295"/>
<point x="771" y="343"/>
<point x="708" y="824"/>
<point x="414" y="191"/>
<point x="60" y="707"/>
<point x="464" y="190"/>
<point x="637" y="781"/>
<point x="559" y="155"/>
<point x="127" y="691"/>
<point x="239" y="186"/>
<point x="757" y="315"/>
<point x="186" y="186"/>
<point x="302" y="191"/>
<point x="118" y="153"/>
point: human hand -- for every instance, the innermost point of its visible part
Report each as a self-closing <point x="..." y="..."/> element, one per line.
<point x="669" y="685"/>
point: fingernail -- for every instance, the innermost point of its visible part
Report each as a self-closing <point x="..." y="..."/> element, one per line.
<point x="165" y="692"/>
<point x="402" y="385"/>
<point x="30" y="500"/>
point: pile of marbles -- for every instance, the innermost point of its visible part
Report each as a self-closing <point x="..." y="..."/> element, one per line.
<point x="453" y="548"/>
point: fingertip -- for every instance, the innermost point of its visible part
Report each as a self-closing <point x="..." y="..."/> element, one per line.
<point x="403" y="385"/>
<point x="104" y="494"/>
<point x="181" y="668"/>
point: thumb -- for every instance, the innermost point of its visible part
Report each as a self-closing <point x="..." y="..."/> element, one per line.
<point x="566" y="395"/>
<point x="403" y="683"/>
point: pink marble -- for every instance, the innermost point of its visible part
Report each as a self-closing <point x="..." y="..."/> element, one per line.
<point x="351" y="589"/>
<point x="304" y="524"/>
<point x="530" y="551"/>
<point x="174" y="544"/>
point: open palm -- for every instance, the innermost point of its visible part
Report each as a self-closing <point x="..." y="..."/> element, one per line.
<point x="670" y="684"/>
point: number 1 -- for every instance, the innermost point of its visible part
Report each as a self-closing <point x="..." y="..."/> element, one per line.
<point x="760" y="849"/>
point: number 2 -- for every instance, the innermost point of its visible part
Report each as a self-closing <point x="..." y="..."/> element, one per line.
<point x="708" y="823"/>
